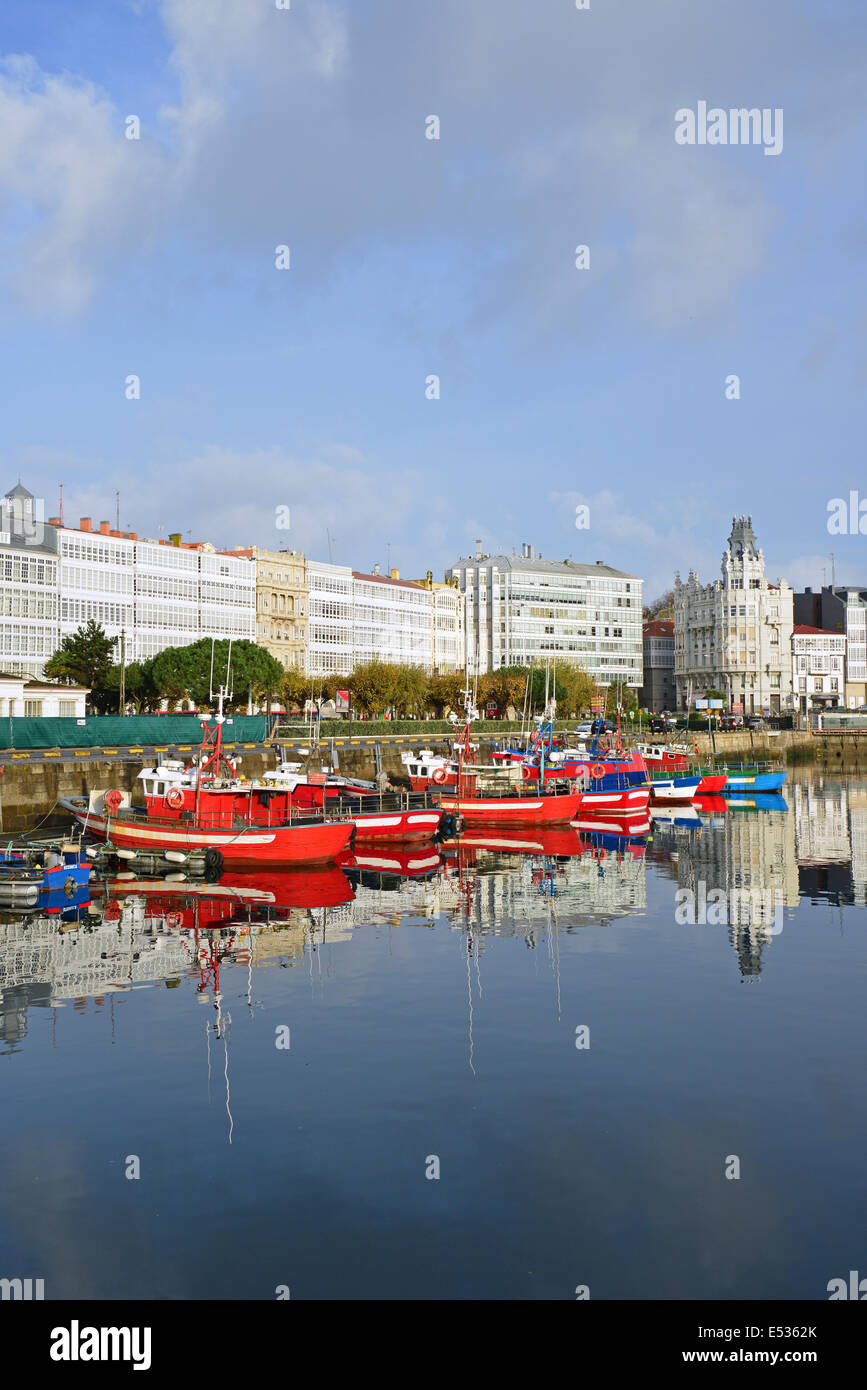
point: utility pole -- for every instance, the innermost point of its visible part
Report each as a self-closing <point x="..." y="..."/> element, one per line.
<point x="833" y="572"/>
<point x="116" y="510"/>
<point x="121" y="703"/>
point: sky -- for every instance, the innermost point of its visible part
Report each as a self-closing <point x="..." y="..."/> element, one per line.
<point x="263" y="388"/>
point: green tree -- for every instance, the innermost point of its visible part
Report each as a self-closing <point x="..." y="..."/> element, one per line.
<point x="138" y="690"/>
<point x="83" y="658"/>
<point x="185" y="672"/>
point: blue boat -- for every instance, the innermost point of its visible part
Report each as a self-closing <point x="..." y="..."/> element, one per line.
<point x="41" y="876"/>
<point x="753" y="780"/>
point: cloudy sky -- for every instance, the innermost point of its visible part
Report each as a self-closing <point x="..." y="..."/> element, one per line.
<point x="265" y="388"/>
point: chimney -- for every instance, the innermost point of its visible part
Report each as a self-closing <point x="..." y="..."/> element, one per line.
<point x="133" y="535"/>
<point x="105" y="528"/>
<point x="478" y="549"/>
<point x="85" y="524"/>
<point x="395" y="574"/>
<point x="376" y="569"/>
<point x="54" y="521"/>
<point x="174" y="538"/>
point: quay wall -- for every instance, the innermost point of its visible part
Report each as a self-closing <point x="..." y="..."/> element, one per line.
<point x="32" y="783"/>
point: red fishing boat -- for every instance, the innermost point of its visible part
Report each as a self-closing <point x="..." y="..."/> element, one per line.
<point x="209" y="795"/>
<point x="209" y="814"/>
<point x="659" y="758"/>
<point x="476" y="798"/>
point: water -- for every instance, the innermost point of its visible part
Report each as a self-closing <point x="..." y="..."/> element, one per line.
<point x="432" y="1022"/>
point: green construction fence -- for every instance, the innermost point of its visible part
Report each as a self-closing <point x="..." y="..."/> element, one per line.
<point x="131" y="731"/>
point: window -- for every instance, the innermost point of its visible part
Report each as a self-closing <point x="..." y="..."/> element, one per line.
<point x="67" y="709"/>
<point x="32" y="709"/>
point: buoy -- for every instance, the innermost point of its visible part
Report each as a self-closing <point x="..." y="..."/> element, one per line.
<point x="175" y="798"/>
<point x="597" y="770"/>
<point x="440" y="776"/>
<point x="175" y="856"/>
<point x="113" y="800"/>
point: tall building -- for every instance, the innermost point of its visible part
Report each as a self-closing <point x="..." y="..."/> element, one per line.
<point x="735" y="634"/>
<point x="281" y="603"/>
<point x="155" y="594"/>
<point x="658" y="691"/>
<point x="522" y="610"/>
<point x="355" y="617"/>
<point x="842" y="609"/>
<point x="329" y="619"/>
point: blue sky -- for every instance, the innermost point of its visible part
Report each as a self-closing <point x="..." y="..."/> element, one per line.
<point x="263" y="388"/>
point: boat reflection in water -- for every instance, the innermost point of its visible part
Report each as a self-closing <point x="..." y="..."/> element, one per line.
<point x="489" y="882"/>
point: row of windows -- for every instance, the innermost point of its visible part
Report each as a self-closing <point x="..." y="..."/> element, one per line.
<point x="29" y="569"/>
<point x="330" y="608"/>
<point x="81" y="610"/>
<point x="106" y="581"/>
<point x="27" y="640"/>
<point x="95" y="552"/>
<point x="27" y="605"/>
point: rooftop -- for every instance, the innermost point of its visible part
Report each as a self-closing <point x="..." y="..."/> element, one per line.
<point x="539" y="566"/>
<point x="387" y="579"/>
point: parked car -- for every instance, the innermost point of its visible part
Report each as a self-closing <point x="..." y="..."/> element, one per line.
<point x="657" y="725"/>
<point x="595" y="726"/>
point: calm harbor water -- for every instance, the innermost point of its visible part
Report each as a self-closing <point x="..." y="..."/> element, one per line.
<point x="580" y="1061"/>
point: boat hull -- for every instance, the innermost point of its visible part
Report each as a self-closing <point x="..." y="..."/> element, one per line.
<point x="712" y="784"/>
<point x="514" y="810"/>
<point x="674" y="789"/>
<point x="281" y="844"/>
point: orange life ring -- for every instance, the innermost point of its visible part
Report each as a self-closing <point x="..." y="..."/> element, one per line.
<point x="601" y="853"/>
<point x="173" y="919"/>
<point x="113" y="800"/>
<point x="597" y="770"/>
<point x="440" y="776"/>
<point x="175" y="797"/>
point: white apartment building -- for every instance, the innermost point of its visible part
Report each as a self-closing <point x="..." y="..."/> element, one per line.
<point x="157" y="594"/>
<point x="818" y="668"/>
<point x="735" y="635"/>
<point x="522" y="610"/>
<point x="355" y="617"/>
<point x="329" y="619"/>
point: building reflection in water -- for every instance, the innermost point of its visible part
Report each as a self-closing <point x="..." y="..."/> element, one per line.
<point x="132" y="936"/>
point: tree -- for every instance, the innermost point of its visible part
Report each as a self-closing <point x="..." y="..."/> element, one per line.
<point x="138" y="690"/>
<point x="185" y="672"/>
<point x="662" y="607"/>
<point x="83" y="658"/>
<point x="373" y="686"/>
<point x="410" y="689"/>
<point x="446" y="691"/>
<point x="294" y="688"/>
<point x="580" y="689"/>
